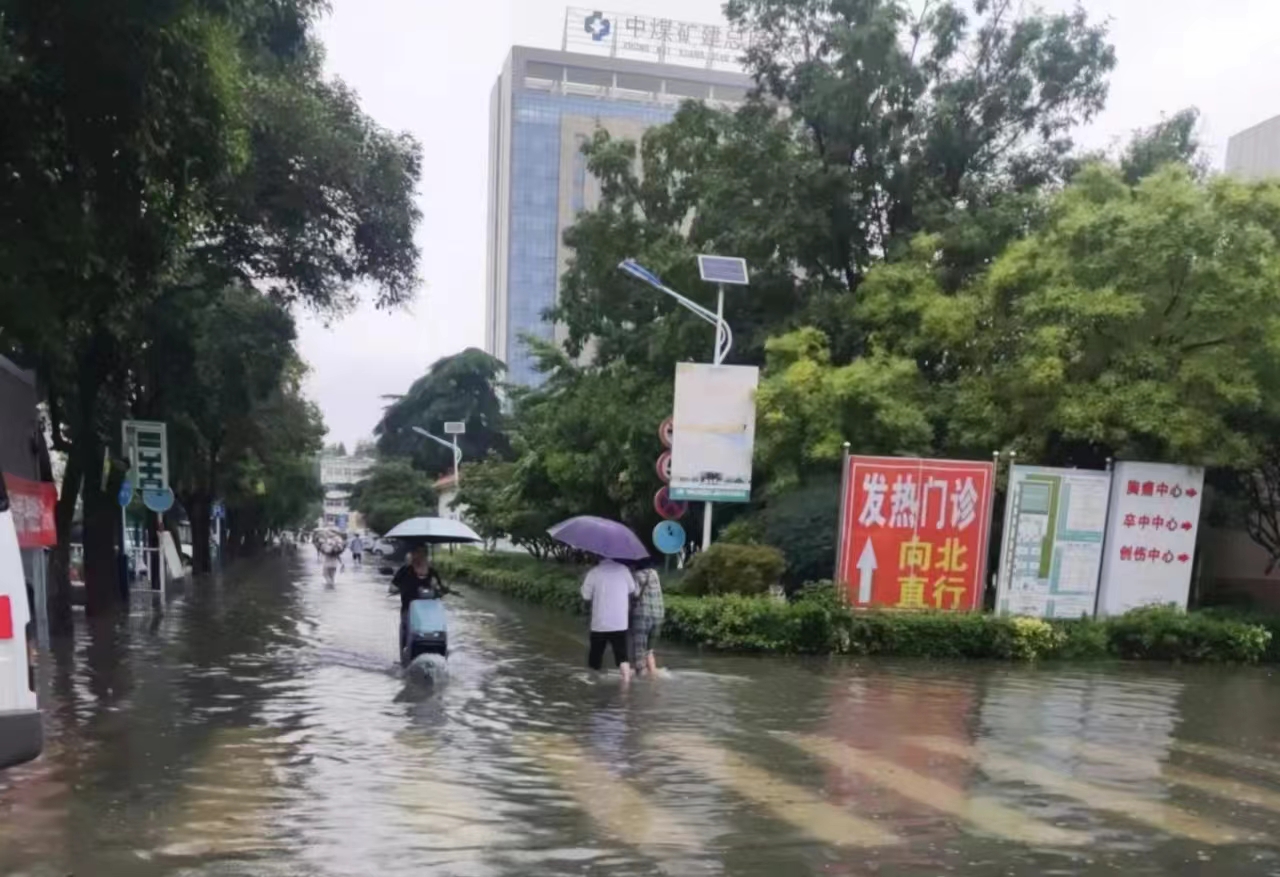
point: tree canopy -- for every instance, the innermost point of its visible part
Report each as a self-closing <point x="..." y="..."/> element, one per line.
<point x="391" y="492"/>
<point x="462" y="388"/>
<point x="935" y="269"/>
<point x="172" y="173"/>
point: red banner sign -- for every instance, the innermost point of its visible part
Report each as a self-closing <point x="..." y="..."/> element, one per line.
<point x="32" y="504"/>
<point x="915" y="532"/>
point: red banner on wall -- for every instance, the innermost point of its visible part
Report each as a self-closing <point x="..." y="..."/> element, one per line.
<point x="32" y="504"/>
<point x="915" y="532"/>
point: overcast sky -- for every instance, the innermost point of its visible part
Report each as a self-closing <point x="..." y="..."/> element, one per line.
<point x="426" y="66"/>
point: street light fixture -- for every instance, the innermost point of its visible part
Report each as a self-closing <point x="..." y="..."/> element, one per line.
<point x="724" y="335"/>
<point x="715" y="269"/>
<point x="451" y="445"/>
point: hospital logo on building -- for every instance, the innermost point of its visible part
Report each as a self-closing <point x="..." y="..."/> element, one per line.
<point x="598" y="26"/>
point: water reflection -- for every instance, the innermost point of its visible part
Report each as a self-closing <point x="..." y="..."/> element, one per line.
<point x="261" y="726"/>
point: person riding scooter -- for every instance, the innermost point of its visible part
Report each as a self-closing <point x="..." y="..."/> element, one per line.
<point x="416" y="580"/>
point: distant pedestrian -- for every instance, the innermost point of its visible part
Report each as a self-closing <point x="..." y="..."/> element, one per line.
<point x="332" y="563"/>
<point x="647" y="612"/>
<point x="357" y="550"/>
<point x="608" y="587"/>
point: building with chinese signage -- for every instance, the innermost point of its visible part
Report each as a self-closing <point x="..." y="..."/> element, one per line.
<point x="622" y="73"/>
<point x="338" y="473"/>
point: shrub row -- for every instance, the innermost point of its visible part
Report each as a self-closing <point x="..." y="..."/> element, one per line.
<point x="817" y="623"/>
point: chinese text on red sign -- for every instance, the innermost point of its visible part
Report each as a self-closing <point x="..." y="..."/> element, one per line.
<point x="915" y="534"/>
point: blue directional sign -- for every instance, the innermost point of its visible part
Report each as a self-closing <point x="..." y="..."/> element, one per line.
<point x="125" y="496"/>
<point x="668" y="537"/>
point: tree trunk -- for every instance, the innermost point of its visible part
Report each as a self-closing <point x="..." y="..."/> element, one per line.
<point x="103" y="590"/>
<point x="198" y="516"/>
<point x="60" y="617"/>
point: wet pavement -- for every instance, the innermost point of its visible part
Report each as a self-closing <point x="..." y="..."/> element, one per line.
<point x="260" y="728"/>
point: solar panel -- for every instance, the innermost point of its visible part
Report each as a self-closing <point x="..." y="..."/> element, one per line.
<point x="723" y="269"/>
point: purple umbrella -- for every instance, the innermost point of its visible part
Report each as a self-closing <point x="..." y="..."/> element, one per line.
<point x="600" y="536"/>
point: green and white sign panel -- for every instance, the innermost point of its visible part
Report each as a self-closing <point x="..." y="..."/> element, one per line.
<point x="1055" y="522"/>
<point x="146" y="446"/>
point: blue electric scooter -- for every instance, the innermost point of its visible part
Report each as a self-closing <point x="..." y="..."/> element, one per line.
<point x="427" y="622"/>
<point x="428" y="630"/>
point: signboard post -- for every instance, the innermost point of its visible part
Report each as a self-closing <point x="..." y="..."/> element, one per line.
<point x="915" y="532"/>
<point x="145" y="445"/>
<point x="717" y="402"/>
<point x="1151" y="536"/>
<point x="1051" y="552"/>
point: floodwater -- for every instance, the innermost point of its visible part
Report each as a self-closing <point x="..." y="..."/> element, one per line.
<point x="260" y="728"/>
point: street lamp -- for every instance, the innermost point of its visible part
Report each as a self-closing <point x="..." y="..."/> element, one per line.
<point x="719" y="270"/>
<point x="453" y="446"/>
<point x="724" y="335"/>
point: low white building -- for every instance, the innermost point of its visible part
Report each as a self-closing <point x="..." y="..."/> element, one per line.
<point x="338" y="474"/>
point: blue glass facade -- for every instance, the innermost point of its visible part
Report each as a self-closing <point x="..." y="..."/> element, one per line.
<point x="532" y="278"/>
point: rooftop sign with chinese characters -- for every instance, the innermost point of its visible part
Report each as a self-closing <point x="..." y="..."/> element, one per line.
<point x="915" y="532"/>
<point x="653" y="38"/>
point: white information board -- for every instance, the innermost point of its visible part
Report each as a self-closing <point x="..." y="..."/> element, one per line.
<point x="1151" y="536"/>
<point x="714" y="433"/>
<point x="1051" y="552"/>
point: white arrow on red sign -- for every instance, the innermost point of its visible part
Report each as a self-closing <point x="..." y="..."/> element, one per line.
<point x="866" y="568"/>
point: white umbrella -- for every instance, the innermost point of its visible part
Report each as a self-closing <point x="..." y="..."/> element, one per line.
<point x="434" y="531"/>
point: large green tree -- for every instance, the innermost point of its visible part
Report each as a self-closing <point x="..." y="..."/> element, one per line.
<point x="393" y="491"/>
<point x="271" y="481"/>
<point x="949" y="122"/>
<point x="462" y="388"/>
<point x="180" y="143"/>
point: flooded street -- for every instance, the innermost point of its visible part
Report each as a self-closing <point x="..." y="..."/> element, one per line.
<point x="260" y="728"/>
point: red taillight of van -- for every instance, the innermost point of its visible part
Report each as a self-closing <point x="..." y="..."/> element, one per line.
<point x="6" y="618"/>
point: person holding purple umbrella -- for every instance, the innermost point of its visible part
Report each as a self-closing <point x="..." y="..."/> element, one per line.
<point x="608" y="587"/>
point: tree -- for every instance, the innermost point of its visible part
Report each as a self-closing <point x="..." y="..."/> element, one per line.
<point x="190" y="144"/>
<point x="462" y="387"/>
<point x="216" y="357"/>
<point x="1169" y="141"/>
<point x="272" y="482"/>
<point x="336" y="449"/>
<point x="391" y="492"/>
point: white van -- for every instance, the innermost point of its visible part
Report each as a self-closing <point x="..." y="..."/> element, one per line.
<point x="21" y="733"/>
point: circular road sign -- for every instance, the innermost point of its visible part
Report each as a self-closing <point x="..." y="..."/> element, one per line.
<point x="663" y="467"/>
<point x="159" y="501"/>
<point x="125" y="496"/>
<point x="668" y="537"/>
<point x="666" y="430"/>
<point x="666" y="507"/>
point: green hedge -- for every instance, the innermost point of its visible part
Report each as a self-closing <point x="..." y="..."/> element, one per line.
<point x="725" y="568"/>
<point x="817" y="623"/>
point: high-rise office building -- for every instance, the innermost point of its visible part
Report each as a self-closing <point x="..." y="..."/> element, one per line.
<point x="1254" y="153"/>
<point x="544" y="107"/>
